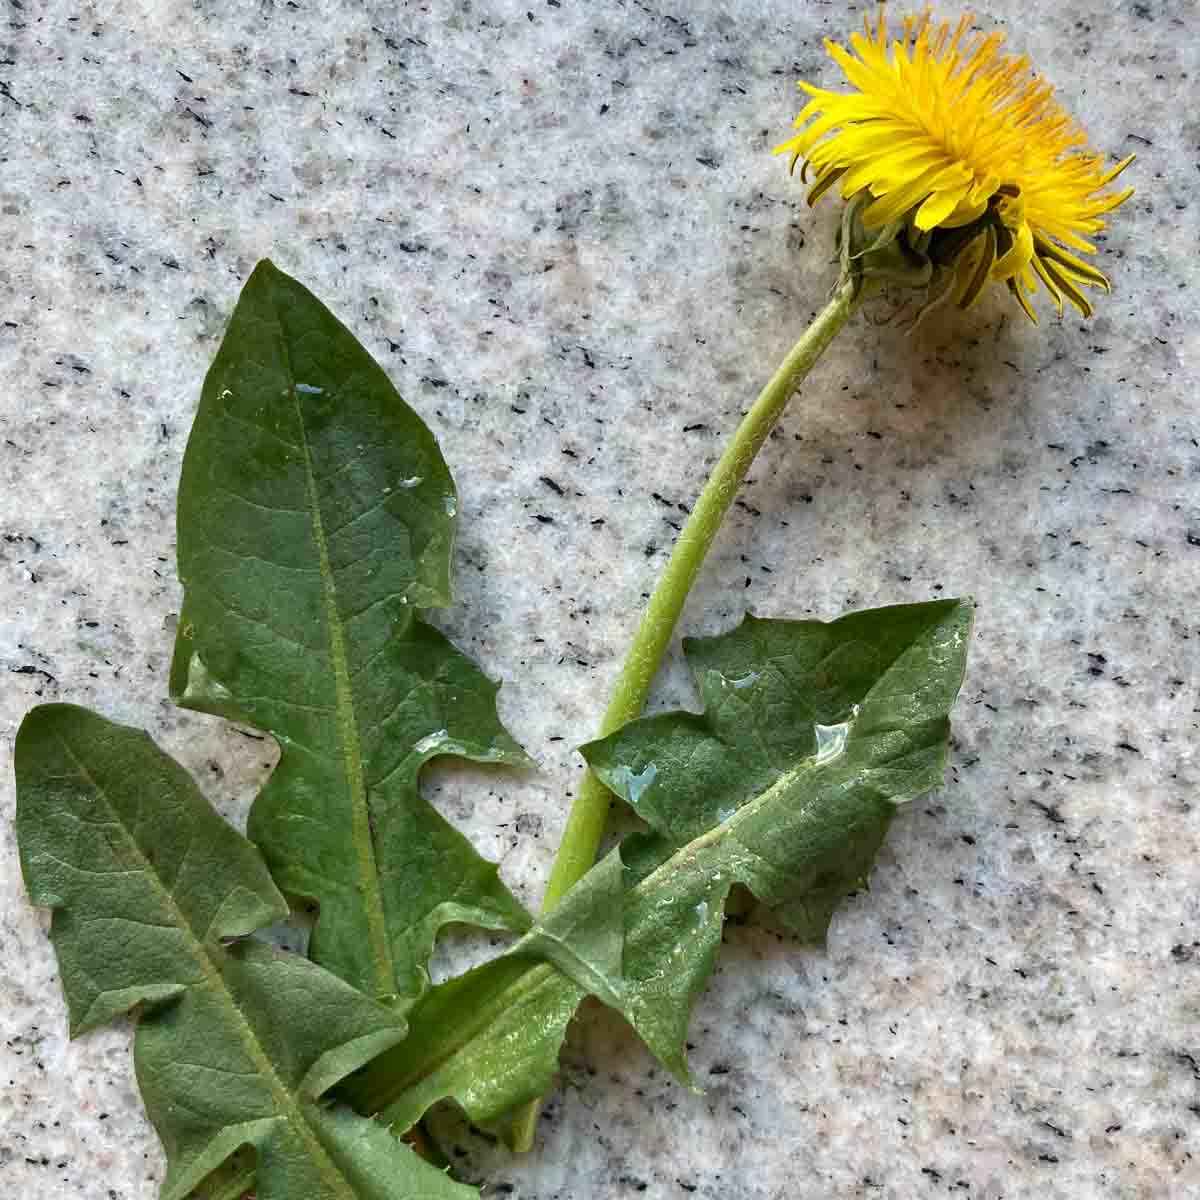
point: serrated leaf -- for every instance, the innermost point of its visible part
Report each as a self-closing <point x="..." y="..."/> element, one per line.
<point x="316" y="514"/>
<point x="236" y="1043"/>
<point x="812" y="734"/>
<point x="490" y="1038"/>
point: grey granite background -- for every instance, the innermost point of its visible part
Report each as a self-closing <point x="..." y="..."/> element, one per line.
<point x="560" y="228"/>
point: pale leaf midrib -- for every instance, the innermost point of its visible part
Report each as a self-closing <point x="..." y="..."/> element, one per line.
<point x="347" y="720"/>
<point x="466" y="1032"/>
<point x="537" y="974"/>
<point x="285" y="1103"/>
<point x="781" y="783"/>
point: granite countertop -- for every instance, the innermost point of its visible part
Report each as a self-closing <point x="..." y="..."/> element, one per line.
<point x="559" y="227"/>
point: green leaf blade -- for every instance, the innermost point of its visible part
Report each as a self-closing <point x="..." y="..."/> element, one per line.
<point x="84" y="830"/>
<point x="316" y="515"/>
<point x="787" y="783"/>
<point x="236" y="1044"/>
<point x="488" y="1040"/>
<point x="812" y="734"/>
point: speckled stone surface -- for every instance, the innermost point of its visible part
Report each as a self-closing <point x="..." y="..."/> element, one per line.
<point x="559" y="227"/>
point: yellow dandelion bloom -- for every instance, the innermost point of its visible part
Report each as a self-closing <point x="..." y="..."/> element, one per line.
<point x="967" y="148"/>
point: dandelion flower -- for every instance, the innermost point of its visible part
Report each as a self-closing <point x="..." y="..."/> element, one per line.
<point x="965" y="149"/>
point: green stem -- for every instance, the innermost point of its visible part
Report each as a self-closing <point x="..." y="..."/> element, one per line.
<point x="589" y="814"/>
<point x="586" y="823"/>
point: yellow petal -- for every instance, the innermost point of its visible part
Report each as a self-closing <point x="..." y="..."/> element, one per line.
<point x="898" y="201"/>
<point x="980" y="268"/>
<point x="1055" y="294"/>
<point x="938" y="121"/>
<point x="1022" y="300"/>
<point x="1068" y="289"/>
<point x="1016" y="256"/>
<point x="1085" y="271"/>
<point x="939" y="206"/>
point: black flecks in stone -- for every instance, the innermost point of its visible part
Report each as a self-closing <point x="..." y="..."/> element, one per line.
<point x="933" y="1173"/>
<point x="1193" y="538"/>
<point x="1189" y="1060"/>
<point x="200" y="119"/>
<point x="413" y="247"/>
<point x="1050" y="812"/>
<point x="542" y="519"/>
<point x="26" y="669"/>
<point x="1056" y="1130"/>
<point x="699" y="427"/>
<point x="1128" y="748"/>
<point x="1185" y="954"/>
<point x="555" y="487"/>
<point x="528" y="824"/>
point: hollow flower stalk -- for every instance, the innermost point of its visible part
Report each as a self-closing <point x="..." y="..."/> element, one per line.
<point x="958" y="167"/>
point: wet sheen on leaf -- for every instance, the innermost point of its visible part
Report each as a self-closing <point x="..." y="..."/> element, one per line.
<point x="316" y="516"/>
<point x="786" y="783"/>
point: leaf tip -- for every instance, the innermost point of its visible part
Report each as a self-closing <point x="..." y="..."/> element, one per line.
<point x="265" y="266"/>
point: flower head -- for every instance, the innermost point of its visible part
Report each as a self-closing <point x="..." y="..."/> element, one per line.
<point x="965" y="149"/>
